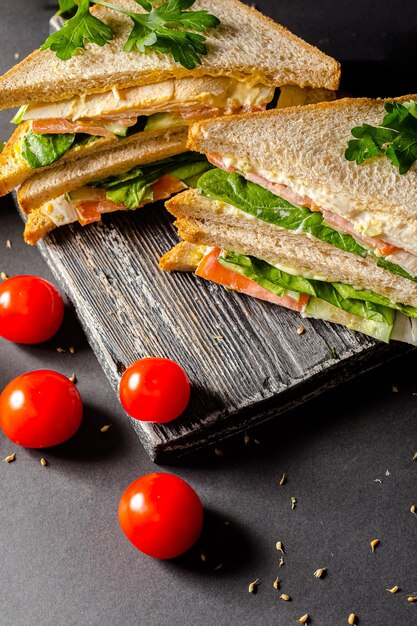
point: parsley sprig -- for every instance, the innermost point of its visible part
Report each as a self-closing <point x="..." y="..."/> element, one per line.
<point x="170" y="28"/>
<point x="395" y="137"/>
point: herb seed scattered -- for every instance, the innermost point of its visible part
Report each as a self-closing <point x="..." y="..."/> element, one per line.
<point x="394" y="589"/>
<point x="105" y="428"/>
<point x="293" y="502"/>
<point x="412" y="599"/>
<point x="413" y="509"/>
<point x="285" y="597"/>
<point x="203" y="557"/>
<point x="415" y="456"/>
<point x="60" y="350"/>
<point x="44" y="462"/>
<point x="275" y="584"/>
<point x="281" y="562"/>
<point x="218" y="452"/>
<point x="304" y="619"/>
<point x="394" y="389"/>
<point x="253" y="586"/>
<point x="71" y="350"/>
<point x="319" y="572"/>
<point x="8" y="244"/>
<point x="280" y="547"/>
<point x="246" y="439"/>
<point x="352" y="619"/>
<point x="374" y="544"/>
<point x="301" y="330"/>
<point x="283" y="479"/>
<point x="3" y="276"/>
<point x="10" y="458"/>
<point x="73" y="379"/>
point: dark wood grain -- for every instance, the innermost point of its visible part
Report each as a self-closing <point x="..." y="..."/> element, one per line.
<point x="246" y="362"/>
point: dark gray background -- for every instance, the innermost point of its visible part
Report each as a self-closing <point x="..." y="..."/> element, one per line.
<point x="348" y="456"/>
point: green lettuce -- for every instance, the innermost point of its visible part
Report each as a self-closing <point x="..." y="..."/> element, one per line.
<point x="358" y="304"/>
<point x="41" y="150"/>
<point x="253" y="199"/>
<point x="135" y="187"/>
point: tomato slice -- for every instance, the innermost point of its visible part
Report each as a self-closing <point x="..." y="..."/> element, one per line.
<point x="91" y="203"/>
<point x="211" y="269"/>
<point x="166" y="186"/>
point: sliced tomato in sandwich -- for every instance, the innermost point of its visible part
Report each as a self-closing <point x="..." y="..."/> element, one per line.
<point x="91" y="203"/>
<point x="211" y="269"/>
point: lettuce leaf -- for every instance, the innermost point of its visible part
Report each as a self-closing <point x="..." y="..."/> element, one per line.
<point x="366" y="311"/>
<point x="392" y="267"/>
<point x="251" y="198"/>
<point x="135" y="187"/>
<point x="41" y="150"/>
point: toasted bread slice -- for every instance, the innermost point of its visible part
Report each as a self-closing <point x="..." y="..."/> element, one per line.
<point x="246" y="46"/>
<point x="67" y="177"/>
<point x="200" y="221"/>
<point x="184" y="257"/>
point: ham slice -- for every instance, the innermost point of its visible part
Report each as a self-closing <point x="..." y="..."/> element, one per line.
<point x="62" y="126"/>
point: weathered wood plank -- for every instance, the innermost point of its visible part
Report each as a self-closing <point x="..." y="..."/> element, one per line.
<point x="244" y="357"/>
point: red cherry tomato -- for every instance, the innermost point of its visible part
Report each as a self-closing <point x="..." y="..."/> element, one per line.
<point x="31" y="309"/>
<point x="154" y="390"/>
<point x="161" y="515"/>
<point x="40" y="409"/>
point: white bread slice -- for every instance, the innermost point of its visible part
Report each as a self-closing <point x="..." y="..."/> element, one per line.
<point x="247" y="46"/>
<point x="14" y="170"/>
<point x="70" y="176"/>
<point x="200" y="222"/>
<point x="305" y="146"/>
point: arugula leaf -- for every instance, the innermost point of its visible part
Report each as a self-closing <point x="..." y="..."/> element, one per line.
<point x="66" y="6"/>
<point x="251" y="198"/>
<point x="135" y="187"/>
<point x="163" y="29"/>
<point x="395" y="137"/>
<point x="41" y="150"/>
<point x="169" y="29"/>
<point x="81" y="29"/>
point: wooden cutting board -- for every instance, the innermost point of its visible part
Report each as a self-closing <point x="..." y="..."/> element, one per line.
<point x="245" y="360"/>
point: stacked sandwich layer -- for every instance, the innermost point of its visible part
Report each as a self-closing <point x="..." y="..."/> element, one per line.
<point x="288" y="219"/>
<point x="94" y="132"/>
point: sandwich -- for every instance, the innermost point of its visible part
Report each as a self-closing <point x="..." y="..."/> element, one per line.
<point x="99" y="83"/>
<point x="123" y="178"/>
<point x="313" y="208"/>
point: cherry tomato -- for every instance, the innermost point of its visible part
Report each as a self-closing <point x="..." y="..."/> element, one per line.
<point x="40" y="409"/>
<point x="161" y="515"/>
<point x="154" y="390"/>
<point x="31" y="309"/>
